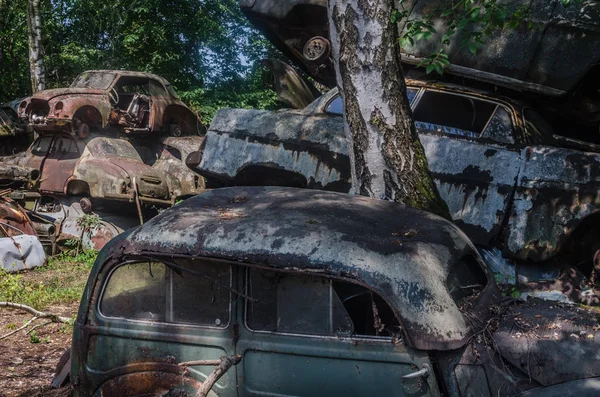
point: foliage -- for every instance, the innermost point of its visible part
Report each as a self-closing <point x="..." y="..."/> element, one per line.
<point x="471" y="21"/>
<point x="61" y="281"/>
<point x="206" y="49"/>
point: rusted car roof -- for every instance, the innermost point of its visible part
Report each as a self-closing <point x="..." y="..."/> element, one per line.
<point x="404" y="254"/>
<point x="130" y="73"/>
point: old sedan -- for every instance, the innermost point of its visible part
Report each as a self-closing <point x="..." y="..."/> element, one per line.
<point x="129" y="102"/>
<point x="100" y="167"/>
<point x="496" y="162"/>
<point x="310" y="293"/>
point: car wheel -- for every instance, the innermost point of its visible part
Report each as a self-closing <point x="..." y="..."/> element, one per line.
<point x="86" y="205"/>
<point x="175" y="130"/>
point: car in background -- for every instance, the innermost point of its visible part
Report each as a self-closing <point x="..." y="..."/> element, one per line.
<point x="507" y="178"/>
<point x="111" y="100"/>
<point x="556" y="58"/>
<point x="313" y="293"/>
<point x="98" y="167"/>
<point x="14" y="134"/>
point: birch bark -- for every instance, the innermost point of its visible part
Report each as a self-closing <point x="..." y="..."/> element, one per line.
<point x="36" y="51"/>
<point x="387" y="157"/>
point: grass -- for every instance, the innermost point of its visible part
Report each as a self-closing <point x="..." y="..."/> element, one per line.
<point x="61" y="281"/>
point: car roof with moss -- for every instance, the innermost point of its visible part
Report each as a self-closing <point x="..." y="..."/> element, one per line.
<point x="404" y="254"/>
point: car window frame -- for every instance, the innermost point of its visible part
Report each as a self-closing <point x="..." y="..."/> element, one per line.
<point x="365" y="338"/>
<point x="109" y="319"/>
<point x="50" y="146"/>
<point x="412" y="103"/>
<point x="510" y="109"/>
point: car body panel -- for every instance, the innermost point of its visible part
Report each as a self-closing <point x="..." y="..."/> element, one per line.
<point x="550" y="59"/>
<point x="489" y="180"/>
<point x="317" y="241"/>
<point x="153" y="110"/>
<point x="105" y="168"/>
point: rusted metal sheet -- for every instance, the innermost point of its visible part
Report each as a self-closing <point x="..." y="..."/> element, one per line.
<point x="308" y="146"/>
<point x="550" y="60"/>
<point x="101" y="167"/>
<point x="557" y="191"/>
<point x="477" y="186"/>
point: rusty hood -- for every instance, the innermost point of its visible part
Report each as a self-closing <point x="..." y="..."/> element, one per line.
<point x="333" y="234"/>
<point x="47" y="95"/>
<point x="150" y="181"/>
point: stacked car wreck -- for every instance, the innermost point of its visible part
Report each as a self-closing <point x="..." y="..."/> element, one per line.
<point x="114" y="140"/>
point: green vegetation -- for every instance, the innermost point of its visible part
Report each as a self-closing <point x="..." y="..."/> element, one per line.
<point x="61" y="281"/>
<point x="206" y="49"/>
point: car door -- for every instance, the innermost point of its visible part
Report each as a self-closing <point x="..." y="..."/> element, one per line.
<point x="59" y="164"/>
<point x="469" y="143"/>
<point x="151" y="316"/>
<point x="303" y="335"/>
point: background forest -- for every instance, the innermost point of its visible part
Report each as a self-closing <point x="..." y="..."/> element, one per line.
<point x="206" y="49"/>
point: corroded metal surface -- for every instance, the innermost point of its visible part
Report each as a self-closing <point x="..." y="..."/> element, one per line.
<point x="96" y="99"/>
<point x="529" y="200"/>
<point x="552" y="59"/>
<point x="329" y="233"/>
<point x="102" y="167"/>
<point x="292" y="141"/>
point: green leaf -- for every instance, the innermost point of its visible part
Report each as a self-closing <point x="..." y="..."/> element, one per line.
<point x="429" y="68"/>
<point x="439" y="68"/>
<point x="472" y="48"/>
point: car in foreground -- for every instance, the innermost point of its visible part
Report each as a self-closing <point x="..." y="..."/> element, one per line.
<point x="111" y="100"/>
<point x="507" y="178"/>
<point x="99" y="167"/>
<point x="313" y="293"/>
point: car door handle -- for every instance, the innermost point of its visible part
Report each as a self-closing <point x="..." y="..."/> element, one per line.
<point x="422" y="373"/>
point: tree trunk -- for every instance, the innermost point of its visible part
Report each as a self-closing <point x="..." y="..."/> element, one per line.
<point x="36" y="51"/>
<point x="387" y="157"/>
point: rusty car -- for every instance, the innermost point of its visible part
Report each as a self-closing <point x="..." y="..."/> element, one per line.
<point x="558" y="59"/>
<point x="496" y="162"/>
<point x="111" y="100"/>
<point x="20" y="247"/>
<point x="103" y="168"/>
<point x="313" y="293"/>
<point x="14" y="134"/>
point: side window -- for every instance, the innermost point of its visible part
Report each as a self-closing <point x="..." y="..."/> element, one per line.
<point x="190" y="293"/>
<point x="41" y="146"/>
<point x="335" y="106"/>
<point x="301" y="304"/>
<point x="65" y="148"/>
<point x="452" y="114"/>
<point x="500" y="128"/>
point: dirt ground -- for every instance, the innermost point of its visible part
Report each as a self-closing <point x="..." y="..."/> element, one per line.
<point x="27" y="368"/>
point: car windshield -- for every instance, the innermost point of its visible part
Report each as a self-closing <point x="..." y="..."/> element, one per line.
<point x="94" y="80"/>
<point x="101" y="147"/>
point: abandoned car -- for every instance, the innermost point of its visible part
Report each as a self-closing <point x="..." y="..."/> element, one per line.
<point x="313" y="293"/>
<point x="558" y="56"/>
<point x="20" y="247"/>
<point x="99" y="167"/>
<point x="495" y="163"/>
<point x="114" y="100"/>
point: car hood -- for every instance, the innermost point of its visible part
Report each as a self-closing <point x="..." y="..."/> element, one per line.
<point x="47" y="95"/>
<point x="150" y="182"/>
<point x="538" y="336"/>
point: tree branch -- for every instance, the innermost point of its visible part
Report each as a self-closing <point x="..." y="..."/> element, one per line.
<point x="38" y="314"/>
<point x="223" y="365"/>
<point x="18" y="329"/>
